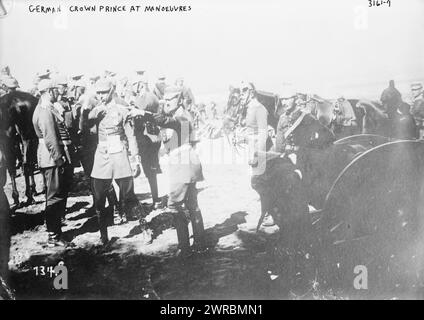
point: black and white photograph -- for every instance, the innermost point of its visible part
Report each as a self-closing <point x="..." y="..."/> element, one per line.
<point x="212" y="150"/>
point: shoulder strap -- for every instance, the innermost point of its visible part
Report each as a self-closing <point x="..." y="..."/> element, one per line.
<point x="295" y="125"/>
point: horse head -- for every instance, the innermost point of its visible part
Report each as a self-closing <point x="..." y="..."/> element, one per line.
<point x="372" y="118"/>
<point x="323" y="110"/>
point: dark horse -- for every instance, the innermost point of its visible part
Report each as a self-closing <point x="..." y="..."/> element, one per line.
<point x="290" y="186"/>
<point x="16" y="110"/>
<point x="373" y="119"/>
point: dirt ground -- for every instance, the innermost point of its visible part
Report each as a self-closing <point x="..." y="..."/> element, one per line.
<point x="141" y="264"/>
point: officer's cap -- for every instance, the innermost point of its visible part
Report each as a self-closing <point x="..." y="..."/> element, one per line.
<point x="77" y="76"/>
<point x="10" y="82"/>
<point x="416" y="86"/>
<point x="61" y="79"/>
<point x="44" y="74"/>
<point x="140" y="72"/>
<point x="94" y="77"/>
<point x="244" y="85"/>
<point x="161" y="77"/>
<point x="46" y="84"/>
<point x="104" y="86"/>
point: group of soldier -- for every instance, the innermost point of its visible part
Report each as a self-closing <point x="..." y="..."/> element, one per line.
<point x="114" y="134"/>
<point x="114" y="129"/>
<point x="338" y="118"/>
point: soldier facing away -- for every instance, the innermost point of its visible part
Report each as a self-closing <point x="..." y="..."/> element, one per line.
<point x="148" y="137"/>
<point x="391" y="99"/>
<point x="185" y="170"/>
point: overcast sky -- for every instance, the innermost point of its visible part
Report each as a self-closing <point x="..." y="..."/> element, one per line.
<point x="326" y="46"/>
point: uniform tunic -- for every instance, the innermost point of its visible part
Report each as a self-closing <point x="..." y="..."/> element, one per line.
<point x="148" y="135"/>
<point x="257" y="131"/>
<point x="391" y="99"/>
<point x="116" y="142"/>
<point x="184" y="163"/>
<point x="52" y="134"/>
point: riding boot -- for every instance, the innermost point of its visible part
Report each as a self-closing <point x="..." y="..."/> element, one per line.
<point x="198" y="229"/>
<point x="33" y="190"/>
<point x="181" y="225"/>
<point x="102" y="226"/>
<point x="15" y="197"/>
<point x="111" y="197"/>
<point x="119" y="214"/>
<point x="29" y="194"/>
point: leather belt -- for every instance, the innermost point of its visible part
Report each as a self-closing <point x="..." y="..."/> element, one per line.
<point x="63" y="143"/>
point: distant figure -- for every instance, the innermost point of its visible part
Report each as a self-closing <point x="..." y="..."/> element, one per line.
<point x="405" y="126"/>
<point x="418" y="105"/>
<point x="187" y="95"/>
<point x="148" y="138"/>
<point x="5" y="71"/>
<point x="391" y="99"/>
<point x="55" y="154"/>
<point x="212" y="113"/>
<point x="159" y="88"/>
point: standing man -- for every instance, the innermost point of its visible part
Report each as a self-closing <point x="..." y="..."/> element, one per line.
<point x="391" y="99"/>
<point x="55" y="151"/>
<point x="116" y="144"/>
<point x="187" y="95"/>
<point x="148" y="136"/>
<point x="89" y="139"/>
<point x="185" y="170"/>
<point x="257" y="135"/>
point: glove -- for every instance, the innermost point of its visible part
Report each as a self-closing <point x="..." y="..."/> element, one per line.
<point x="137" y="113"/>
<point x="135" y="162"/>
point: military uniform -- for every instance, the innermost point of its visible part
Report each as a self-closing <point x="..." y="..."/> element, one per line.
<point x="391" y="99"/>
<point x="116" y="142"/>
<point x="88" y="132"/>
<point x="4" y="210"/>
<point x="418" y="112"/>
<point x="313" y="137"/>
<point x="185" y="170"/>
<point x="284" y="138"/>
<point x="55" y="146"/>
<point x="159" y="90"/>
<point x="149" y="142"/>
<point x="88" y="140"/>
